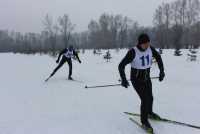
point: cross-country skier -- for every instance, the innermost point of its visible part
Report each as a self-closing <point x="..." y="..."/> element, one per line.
<point x="68" y="54"/>
<point x="140" y="58"/>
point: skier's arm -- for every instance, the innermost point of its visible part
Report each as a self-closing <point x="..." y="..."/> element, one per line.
<point x="158" y="58"/>
<point x="61" y="53"/>
<point x="126" y="60"/>
<point x="76" y="55"/>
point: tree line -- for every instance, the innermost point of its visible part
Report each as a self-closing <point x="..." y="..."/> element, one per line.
<point x="175" y="25"/>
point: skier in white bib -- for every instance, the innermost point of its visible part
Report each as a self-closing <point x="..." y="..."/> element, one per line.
<point x="140" y="57"/>
<point x="67" y="53"/>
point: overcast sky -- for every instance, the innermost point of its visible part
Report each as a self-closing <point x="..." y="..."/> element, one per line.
<point x="27" y="15"/>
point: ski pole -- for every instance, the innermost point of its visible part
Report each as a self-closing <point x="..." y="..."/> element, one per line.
<point x="112" y="85"/>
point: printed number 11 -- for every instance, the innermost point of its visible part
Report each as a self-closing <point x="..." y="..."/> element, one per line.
<point x="143" y="60"/>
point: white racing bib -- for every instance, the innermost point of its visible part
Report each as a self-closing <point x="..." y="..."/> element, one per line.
<point x="143" y="59"/>
<point x="69" y="54"/>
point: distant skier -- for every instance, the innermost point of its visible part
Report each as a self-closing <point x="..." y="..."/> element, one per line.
<point x="67" y="53"/>
<point x="107" y="56"/>
<point x="140" y="58"/>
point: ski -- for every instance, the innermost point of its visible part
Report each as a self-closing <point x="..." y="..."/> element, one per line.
<point x="66" y="79"/>
<point x="75" y="80"/>
<point x="148" y="131"/>
<point x="167" y="120"/>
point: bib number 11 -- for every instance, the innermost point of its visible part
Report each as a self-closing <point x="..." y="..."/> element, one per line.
<point x="143" y="60"/>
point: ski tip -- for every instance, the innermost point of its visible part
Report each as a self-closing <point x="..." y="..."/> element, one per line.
<point x="124" y="112"/>
<point x="127" y="113"/>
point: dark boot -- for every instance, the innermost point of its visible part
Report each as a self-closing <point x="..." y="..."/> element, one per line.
<point x="147" y="126"/>
<point x="154" y="116"/>
<point x="70" y="78"/>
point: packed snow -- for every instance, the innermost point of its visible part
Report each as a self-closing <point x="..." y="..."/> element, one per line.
<point x="59" y="106"/>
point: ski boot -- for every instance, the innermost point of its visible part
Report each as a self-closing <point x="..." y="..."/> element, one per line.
<point x="147" y="126"/>
<point x="154" y="116"/>
<point x="70" y="78"/>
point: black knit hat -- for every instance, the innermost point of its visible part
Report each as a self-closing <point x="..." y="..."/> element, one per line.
<point x="143" y="38"/>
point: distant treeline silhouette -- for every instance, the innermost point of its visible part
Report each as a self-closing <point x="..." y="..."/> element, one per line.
<point x="176" y="25"/>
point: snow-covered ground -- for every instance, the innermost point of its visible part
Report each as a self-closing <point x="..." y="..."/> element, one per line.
<point x="28" y="105"/>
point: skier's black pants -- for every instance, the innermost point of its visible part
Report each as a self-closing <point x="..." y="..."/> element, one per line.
<point x="62" y="62"/>
<point x="144" y="90"/>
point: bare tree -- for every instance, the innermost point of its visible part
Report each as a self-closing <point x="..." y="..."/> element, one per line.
<point x="105" y="35"/>
<point x="123" y="34"/>
<point x="51" y="31"/>
<point x="159" y="26"/>
<point x="94" y="36"/>
<point x="66" y="27"/>
<point x="114" y="28"/>
<point x="110" y="31"/>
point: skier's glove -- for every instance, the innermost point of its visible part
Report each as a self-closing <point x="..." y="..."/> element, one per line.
<point x="57" y="61"/>
<point x="79" y="61"/>
<point x="161" y="76"/>
<point x="125" y="83"/>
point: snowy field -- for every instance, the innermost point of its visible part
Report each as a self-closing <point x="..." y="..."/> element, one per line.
<point x="31" y="106"/>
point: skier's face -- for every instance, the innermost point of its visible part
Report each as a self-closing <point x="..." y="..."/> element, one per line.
<point x="145" y="45"/>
